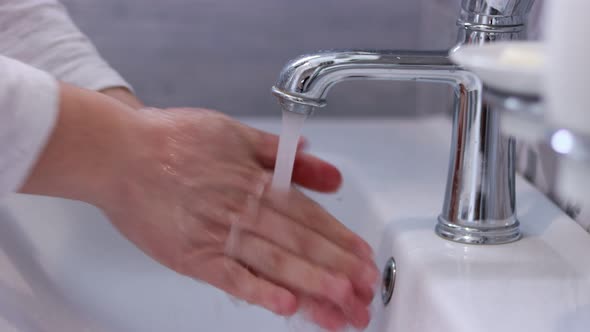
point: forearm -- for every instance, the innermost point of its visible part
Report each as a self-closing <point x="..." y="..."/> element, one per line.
<point x="86" y="149"/>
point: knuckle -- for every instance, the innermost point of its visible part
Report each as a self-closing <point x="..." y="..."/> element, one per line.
<point x="308" y="245"/>
<point x="244" y="183"/>
<point x="254" y="181"/>
<point x="275" y="260"/>
<point x="212" y="234"/>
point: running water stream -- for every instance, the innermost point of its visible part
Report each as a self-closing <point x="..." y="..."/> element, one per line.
<point x="291" y="130"/>
<point x="292" y="124"/>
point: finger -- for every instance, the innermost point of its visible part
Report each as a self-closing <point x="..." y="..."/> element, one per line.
<point x="236" y="280"/>
<point x="312" y="246"/>
<point x="324" y="314"/>
<point x="266" y="146"/>
<point x="315" y="174"/>
<point x="309" y="171"/>
<point x="295" y="273"/>
<point x="332" y="317"/>
<point x="303" y="143"/>
<point x="300" y="208"/>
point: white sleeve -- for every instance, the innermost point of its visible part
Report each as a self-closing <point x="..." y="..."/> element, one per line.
<point x="29" y="103"/>
<point x="40" y="33"/>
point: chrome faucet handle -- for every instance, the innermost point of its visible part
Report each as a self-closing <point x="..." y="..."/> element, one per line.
<point x="518" y="9"/>
<point x="483" y="21"/>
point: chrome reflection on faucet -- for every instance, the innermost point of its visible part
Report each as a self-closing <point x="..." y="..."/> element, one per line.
<point x="479" y="205"/>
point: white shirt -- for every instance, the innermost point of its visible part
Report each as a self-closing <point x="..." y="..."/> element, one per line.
<point x="39" y="45"/>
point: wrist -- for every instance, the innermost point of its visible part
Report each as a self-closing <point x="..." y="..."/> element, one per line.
<point x="125" y="96"/>
<point x="87" y="149"/>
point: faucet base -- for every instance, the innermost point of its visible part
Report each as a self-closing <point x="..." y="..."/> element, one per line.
<point x="469" y="235"/>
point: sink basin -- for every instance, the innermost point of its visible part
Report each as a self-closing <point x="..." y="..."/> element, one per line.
<point x="64" y="268"/>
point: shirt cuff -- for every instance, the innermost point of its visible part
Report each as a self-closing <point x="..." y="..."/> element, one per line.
<point x="92" y="73"/>
<point x="29" y="106"/>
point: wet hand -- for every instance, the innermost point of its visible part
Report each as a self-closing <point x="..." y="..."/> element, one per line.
<point x="195" y="196"/>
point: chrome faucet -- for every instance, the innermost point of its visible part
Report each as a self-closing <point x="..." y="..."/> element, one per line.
<point x="479" y="205"/>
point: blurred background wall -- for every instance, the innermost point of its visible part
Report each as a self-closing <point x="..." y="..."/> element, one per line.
<point x="226" y="54"/>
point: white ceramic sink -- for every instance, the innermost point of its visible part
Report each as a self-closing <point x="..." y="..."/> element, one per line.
<point x="63" y="268"/>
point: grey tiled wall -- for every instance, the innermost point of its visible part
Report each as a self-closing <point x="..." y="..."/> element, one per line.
<point x="226" y="54"/>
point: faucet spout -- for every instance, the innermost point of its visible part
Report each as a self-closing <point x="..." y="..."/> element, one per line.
<point x="306" y="80"/>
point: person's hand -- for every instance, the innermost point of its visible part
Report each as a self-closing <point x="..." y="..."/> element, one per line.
<point x="190" y="188"/>
<point x="196" y="199"/>
<point x="124" y="96"/>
